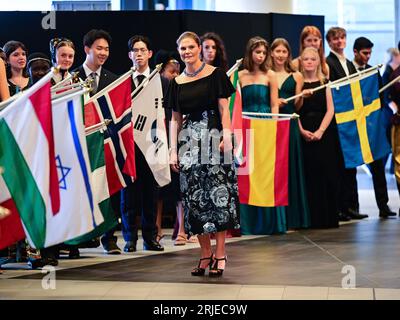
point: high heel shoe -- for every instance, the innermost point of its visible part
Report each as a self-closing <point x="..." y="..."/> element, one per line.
<point x="214" y="270"/>
<point x="198" y="271"/>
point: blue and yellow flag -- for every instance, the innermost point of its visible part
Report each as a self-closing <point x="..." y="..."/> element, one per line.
<point x="359" y="119"/>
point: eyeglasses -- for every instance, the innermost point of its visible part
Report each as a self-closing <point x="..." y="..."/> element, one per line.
<point x="142" y="50"/>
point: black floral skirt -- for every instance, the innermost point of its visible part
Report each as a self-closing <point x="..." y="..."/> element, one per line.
<point x="208" y="180"/>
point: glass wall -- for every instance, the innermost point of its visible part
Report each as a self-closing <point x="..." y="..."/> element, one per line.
<point x="368" y="18"/>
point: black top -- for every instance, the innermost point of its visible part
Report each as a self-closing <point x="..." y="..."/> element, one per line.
<point x="199" y="95"/>
<point x="314" y="107"/>
<point x="14" y="89"/>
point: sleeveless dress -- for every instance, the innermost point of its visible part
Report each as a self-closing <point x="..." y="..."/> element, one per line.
<point x="208" y="183"/>
<point x="297" y="213"/>
<point x="321" y="161"/>
<point x="253" y="219"/>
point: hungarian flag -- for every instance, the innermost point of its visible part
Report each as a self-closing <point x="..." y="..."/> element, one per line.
<point x="263" y="176"/>
<point x="235" y="108"/>
<point x="28" y="158"/>
<point x="148" y="117"/>
<point x="11" y="229"/>
<point x="114" y="103"/>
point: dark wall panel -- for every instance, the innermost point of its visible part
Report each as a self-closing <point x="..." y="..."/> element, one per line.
<point x="290" y="26"/>
<point x="163" y="27"/>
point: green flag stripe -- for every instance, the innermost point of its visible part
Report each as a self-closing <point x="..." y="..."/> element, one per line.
<point x="22" y="186"/>
<point x="235" y="82"/>
<point x="95" y="144"/>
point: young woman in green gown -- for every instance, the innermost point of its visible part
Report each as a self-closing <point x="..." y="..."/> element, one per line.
<point x="290" y="83"/>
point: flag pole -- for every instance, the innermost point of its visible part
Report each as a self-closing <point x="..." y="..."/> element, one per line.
<point x="140" y="86"/>
<point x="280" y="115"/>
<point x="354" y="75"/>
<point x="69" y="95"/>
<point x="234" y="67"/>
<point x="388" y="85"/>
<point x="97" y="127"/>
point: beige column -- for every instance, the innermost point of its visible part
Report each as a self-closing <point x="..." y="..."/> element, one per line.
<point x="255" y="6"/>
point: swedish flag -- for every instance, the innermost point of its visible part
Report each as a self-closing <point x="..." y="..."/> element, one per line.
<point x="360" y="124"/>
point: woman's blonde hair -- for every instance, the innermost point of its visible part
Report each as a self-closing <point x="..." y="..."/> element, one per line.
<point x="319" y="72"/>
<point x="253" y="44"/>
<point x="191" y="35"/>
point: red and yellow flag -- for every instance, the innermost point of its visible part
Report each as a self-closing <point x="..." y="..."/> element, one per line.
<point x="263" y="177"/>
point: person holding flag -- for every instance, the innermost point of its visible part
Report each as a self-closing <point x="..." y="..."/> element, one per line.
<point x="259" y="87"/>
<point x="362" y="49"/>
<point x="320" y="143"/>
<point x="97" y="48"/>
<point x="290" y="83"/>
<point x="339" y="67"/>
<point x="140" y="197"/>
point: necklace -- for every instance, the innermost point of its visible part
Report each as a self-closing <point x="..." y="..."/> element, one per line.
<point x="196" y="72"/>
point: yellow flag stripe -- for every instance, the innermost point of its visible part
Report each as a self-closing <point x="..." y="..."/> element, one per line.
<point x="262" y="176"/>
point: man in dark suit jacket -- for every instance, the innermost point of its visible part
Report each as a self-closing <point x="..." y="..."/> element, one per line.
<point x="362" y="49"/>
<point x="139" y="199"/>
<point x="339" y="67"/>
<point x="97" y="48"/>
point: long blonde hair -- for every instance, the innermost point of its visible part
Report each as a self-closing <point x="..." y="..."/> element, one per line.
<point x="320" y="75"/>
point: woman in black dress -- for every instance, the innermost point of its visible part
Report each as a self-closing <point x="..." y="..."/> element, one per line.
<point x="207" y="174"/>
<point x="320" y="143"/>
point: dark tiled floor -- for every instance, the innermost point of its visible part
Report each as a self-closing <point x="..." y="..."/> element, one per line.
<point x="305" y="258"/>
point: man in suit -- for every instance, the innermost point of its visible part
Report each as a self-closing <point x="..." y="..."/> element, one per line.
<point x="97" y="48"/>
<point x="362" y="49"/>
<point x="339" y="67"/>
<point x="139" y="199"/>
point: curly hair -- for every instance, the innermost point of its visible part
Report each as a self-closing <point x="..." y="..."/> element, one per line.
<point x="221" y="59"/>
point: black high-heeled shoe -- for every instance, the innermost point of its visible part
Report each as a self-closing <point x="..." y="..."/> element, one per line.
<point x="214" y="270"/>
<point x="198" y="271"/>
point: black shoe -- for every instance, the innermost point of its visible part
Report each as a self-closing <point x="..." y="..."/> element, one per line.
<point x="74" y="253"/>
<point x="152" y="246"/>
<point x="354" y="214"/>
<point x="130" y="246"/>
<point x="110" y="245"/>
<point x="343" y="217"/>
<point x="94" y="243"/>
<point x="386" y="212"/>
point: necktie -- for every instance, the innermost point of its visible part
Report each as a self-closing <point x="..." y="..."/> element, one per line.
<point x="140" y="78"/>
<point x="93" y="75"/>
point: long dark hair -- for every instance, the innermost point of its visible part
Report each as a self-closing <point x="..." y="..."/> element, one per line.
<point x="9" y="48"/>
<point x="253" y="44"/>
<point x="221" y="59"/>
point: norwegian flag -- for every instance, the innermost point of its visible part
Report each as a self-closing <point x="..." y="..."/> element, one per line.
<point x="114" y="103"/>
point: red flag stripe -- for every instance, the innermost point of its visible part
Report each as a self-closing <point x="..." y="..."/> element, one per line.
<point x="130" y="165"/>
<point x="41" y="101"/>
<point x="114" y="181"/>
<point x="11" y="229"/>
<point x="282" y="163"/>
<point x="243" y="177"/>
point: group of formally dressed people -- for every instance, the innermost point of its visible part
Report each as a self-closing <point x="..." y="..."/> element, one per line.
<point x="322" y="191"/>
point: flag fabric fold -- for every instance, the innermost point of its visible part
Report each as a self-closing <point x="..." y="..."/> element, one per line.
<point x="148" y="118"/>
<point x="263" y="176"/>
<point x="114" y="103"/>
<point x="358" y="117"/>
<point x="235" y="108"/>
<point x="26" y="120"/>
